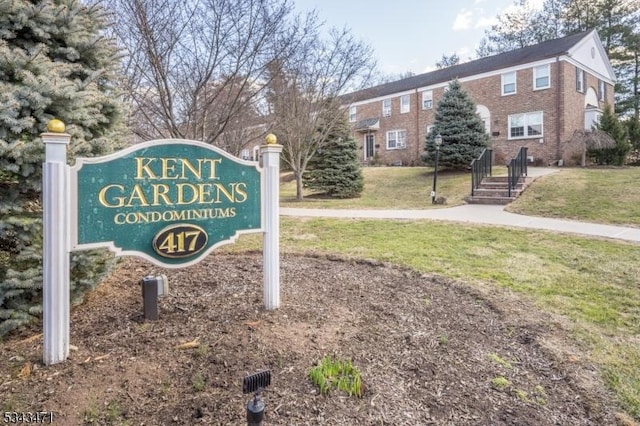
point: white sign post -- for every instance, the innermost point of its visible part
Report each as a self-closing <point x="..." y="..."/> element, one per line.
<point x="271" y="214"/>
<point x="55" y="201"/>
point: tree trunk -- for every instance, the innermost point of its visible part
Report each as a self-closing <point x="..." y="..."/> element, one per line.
<point x="299" y="194"/>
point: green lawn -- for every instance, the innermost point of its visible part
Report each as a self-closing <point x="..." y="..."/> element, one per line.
<point x="591" y="282"/>
<point x="607" y="195"/>
<point x="390" y="187"/>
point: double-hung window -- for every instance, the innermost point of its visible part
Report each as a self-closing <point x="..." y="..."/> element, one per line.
<point x="396" y="139"/>
<point x="352" y="114"/>
<point x="386" y="108"/>
<point x="602" y="91"/>
<point x="526" y="125"/>
<point x="541" y="77"/>
<point x="509" y="83"/>
<point x="404" y="104"/>
<point x="580" y="80"/>
<point x="427" y="99"/>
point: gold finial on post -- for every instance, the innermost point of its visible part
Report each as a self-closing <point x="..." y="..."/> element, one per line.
<point x="271" y="139"/>
<point x="55" y="126"/>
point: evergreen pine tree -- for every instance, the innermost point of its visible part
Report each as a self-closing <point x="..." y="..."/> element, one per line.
<point x="610" y="124"/>
<point x="54" y="63"/>
<point x="335" y="169"/>
<point x="462" y="130"/>
<point x="633" y="130"/>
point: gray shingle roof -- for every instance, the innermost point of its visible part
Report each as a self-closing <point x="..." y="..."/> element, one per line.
<point x="367" y="124"/>
<point x="544" y="50"/>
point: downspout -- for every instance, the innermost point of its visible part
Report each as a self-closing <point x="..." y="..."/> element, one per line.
<point x="558" y="93"/>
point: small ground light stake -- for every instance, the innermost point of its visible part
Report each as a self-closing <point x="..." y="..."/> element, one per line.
<point x="255" y="408"/>
<point x="152" y="287"/>
<point x="150" y="298"/>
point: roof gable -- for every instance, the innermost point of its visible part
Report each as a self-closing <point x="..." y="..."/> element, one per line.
<point x="590" y="54"/>
<point x="576" y="43"/>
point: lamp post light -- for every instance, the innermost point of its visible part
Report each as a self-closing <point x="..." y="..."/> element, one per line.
<point x="438" y="142"/>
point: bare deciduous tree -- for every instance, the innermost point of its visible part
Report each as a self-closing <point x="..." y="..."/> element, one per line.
<point x="304" y="94"/>
<point x="194" y="67"/>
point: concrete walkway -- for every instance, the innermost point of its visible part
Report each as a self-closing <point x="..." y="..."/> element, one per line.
<point x="483" y="214"/>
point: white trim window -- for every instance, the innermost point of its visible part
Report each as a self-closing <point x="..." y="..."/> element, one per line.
<point x="527" y="125"/>
<point x="602" y="91"/>
<point x="580" y="80"/>
<point x="429" y="129"/>
<point x="427" y="99"/>
<point x="396" y="139"/>
<point x="386" y="108"/>
<point x="404" y="104"/>
<point x="541" y="77"/>
<point x="352" y="114"/>
<point x="509" y="83"/>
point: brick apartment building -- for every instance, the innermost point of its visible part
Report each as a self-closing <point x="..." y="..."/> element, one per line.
<point x="537" y="97"/>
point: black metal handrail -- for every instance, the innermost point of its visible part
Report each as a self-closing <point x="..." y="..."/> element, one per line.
<point x="481" y="168"/>
<point x="517" y="168"/>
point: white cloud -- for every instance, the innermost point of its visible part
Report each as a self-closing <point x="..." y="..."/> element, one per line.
<point x="484" y="22"/>
<point x="530" y="5"/>
<point x="466" y="53"/>
<point x="473" y="19"/>
<point x="463" y="20"/>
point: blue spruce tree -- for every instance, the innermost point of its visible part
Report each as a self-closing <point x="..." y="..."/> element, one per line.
<point x="462" y="130"/>
<point x="335" y="169"/>
<point x="55" y="62"/>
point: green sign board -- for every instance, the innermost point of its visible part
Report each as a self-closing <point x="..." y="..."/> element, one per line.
<point x="169" y="201"/>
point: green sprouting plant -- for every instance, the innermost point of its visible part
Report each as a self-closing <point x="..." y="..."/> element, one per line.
<point x="114" y="411"/>
<point x="331" y="373"/>
<point x="92" y="412"/>
<point x="540" y="395"/>
<point x="10" y="405"/>
<point x="198" y="382"/>
<point x="522" y="395"/>
<point x="497" y="358"/>
<point x="443" y="340"/>
<point x="201" y="351"/>
<point x="500" y="382"/>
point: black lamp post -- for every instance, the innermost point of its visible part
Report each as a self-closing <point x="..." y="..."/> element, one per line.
<point x="438" y="142"/>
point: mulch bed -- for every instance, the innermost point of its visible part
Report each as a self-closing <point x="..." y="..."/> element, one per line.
<point x="430" y="351"/>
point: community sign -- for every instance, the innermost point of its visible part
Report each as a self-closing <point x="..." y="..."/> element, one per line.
<point x="169" y="201"/>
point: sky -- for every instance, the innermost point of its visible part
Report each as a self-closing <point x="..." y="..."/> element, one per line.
<point x="412" y="35"/>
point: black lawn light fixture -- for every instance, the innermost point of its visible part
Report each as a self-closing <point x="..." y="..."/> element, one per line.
<point x="438" y="142"/>
<point x="256" y="383"/>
